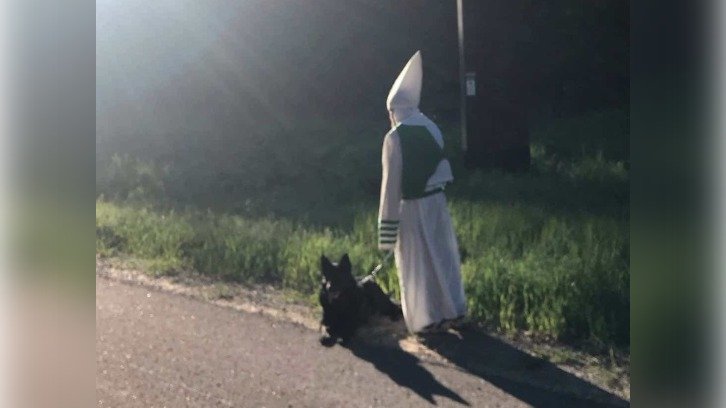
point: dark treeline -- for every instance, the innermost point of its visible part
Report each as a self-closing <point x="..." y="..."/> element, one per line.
<point x="224" y="68"/>
<point x="246" y="100"/>
<point x="555" y="58"/>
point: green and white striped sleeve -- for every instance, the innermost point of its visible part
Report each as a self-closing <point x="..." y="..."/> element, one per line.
<point x="387" y="234"/>
<point x="390" y="205"/>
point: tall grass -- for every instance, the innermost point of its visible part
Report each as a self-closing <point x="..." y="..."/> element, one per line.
<point x="565" y="277"/>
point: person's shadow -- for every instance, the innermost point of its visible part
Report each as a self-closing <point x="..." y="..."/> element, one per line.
<point x="516" y="372"/>
<point x="404" y="369"/>
<point x="531" y="380"/>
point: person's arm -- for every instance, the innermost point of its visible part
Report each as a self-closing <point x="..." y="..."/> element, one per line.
<point x="390" y="205"/>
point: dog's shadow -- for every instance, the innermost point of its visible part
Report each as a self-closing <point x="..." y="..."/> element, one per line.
<point x="404" y="369"/>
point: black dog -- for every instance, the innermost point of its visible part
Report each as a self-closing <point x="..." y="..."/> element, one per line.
<point x="347" y="304"/>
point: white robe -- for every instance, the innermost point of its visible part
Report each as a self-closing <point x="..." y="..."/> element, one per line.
<point x="426" y="251"/>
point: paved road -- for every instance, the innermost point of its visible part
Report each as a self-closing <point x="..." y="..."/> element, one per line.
<point x="156" y="349"/>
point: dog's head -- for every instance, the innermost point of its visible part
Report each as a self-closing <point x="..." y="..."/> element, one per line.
<point x="337" y="278"/>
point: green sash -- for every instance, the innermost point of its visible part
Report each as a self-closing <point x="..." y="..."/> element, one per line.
<point x="420" y="156"/>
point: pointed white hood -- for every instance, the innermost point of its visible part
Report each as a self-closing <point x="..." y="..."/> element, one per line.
<point x="405" y="94"/>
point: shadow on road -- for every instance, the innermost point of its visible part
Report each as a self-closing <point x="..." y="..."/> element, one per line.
<point x="405" y="370"/>
<point x="503" y="365"/>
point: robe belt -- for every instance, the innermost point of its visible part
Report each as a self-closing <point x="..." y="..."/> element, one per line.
<point x="425" y="194"/>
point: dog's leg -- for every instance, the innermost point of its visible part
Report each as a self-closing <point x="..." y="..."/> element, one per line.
<point x="327" y="341"/>
<point x="328" y="338"/>
<point x="381" y="302"/>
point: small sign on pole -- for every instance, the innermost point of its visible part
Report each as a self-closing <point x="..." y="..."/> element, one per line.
<point x="470" y="84"/>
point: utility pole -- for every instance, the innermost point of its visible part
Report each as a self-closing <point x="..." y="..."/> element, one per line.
<point x="462" y="79"/>
<point x="494" y="131"/>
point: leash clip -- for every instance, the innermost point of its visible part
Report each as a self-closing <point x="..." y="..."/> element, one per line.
<point x="378" y="267"/>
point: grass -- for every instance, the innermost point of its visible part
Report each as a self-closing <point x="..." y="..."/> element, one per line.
<point x="545" y="252"/>
<point x="523" y="270"/>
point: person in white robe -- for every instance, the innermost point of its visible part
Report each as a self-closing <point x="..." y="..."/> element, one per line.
<point x="413" y="218"/>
